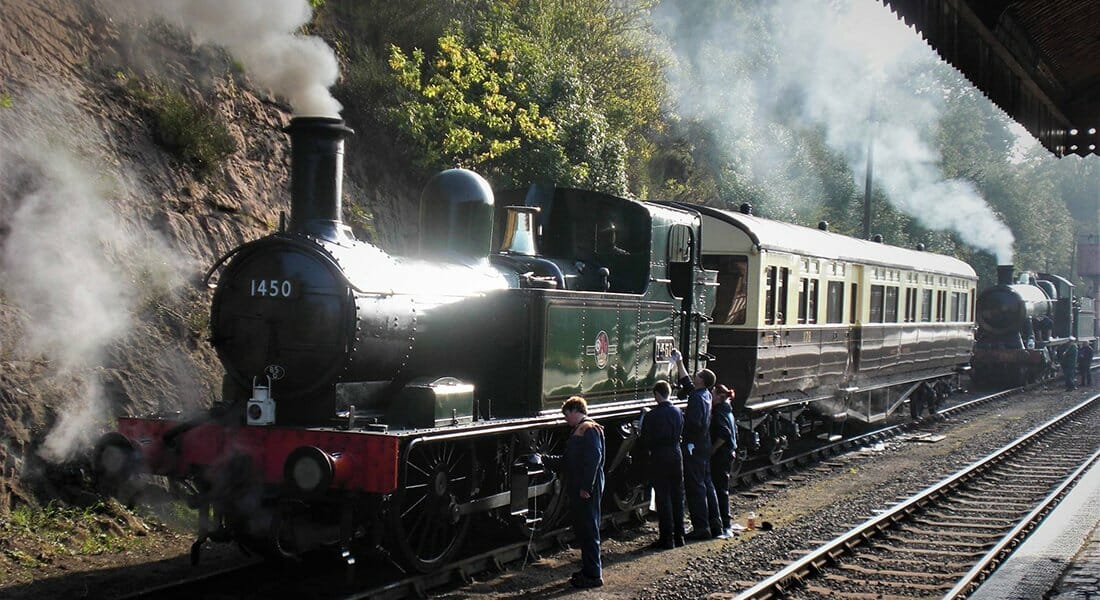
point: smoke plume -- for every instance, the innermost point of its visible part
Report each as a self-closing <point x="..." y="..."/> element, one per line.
<point x="849" y="67"/>
<point x="263" y="36"/>
<point x="73" y="267"/>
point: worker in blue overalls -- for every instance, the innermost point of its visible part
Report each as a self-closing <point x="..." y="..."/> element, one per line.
<point x="659" y="439"/>
<point x="583" y="473"/>
<point x="702" y="500"/>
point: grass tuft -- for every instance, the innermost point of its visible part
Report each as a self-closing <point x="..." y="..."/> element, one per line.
<point x="189" y="128"/>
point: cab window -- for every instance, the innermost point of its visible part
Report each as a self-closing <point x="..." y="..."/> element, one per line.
<point x="679" y="260"/>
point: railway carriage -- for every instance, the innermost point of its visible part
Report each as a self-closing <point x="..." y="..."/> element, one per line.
<point x="813" y="328"/>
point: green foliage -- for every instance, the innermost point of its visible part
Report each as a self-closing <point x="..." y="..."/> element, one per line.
<point x="30" y="519"/>
<point x="6" y="101"/>
<point x="467" y="105"/>
<point x="191" y="129"/>
<point x="532" y="91"/>
<point x="367" y="30"/>
<point x="592" y="65"/>
<point x="64" y="530"/>
<point x="361" y="221"/>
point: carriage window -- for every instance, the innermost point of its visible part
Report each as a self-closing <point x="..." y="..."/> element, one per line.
<point x="769" y="296"/>
<point x="781" y="309"/>
<point x="926" y="306"/>
<point x="877" y="293"/>
<point x="910" y="305"/>
<point x="954" y="307"/>
<point x="891" y="305"/>
<point x="807" y="301"/>
<point x="732" y="298"/>
<point x="775" y="296"/>
<point x="811" y="303"/>
<point x="802" y="285"/>
<point x="855" y="303"/>
<point x="941" y="306"/>
<point x="834" y="309"/>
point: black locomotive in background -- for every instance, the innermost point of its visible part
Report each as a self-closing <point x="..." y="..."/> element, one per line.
<point x="1024" y="324"/>
<point x="395" y="401"/>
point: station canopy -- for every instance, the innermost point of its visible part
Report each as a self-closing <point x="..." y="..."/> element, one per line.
<point x="1039" y="60"/>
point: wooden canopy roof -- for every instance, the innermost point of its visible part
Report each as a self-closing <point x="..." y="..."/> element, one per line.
<point x="1039" y="60"/>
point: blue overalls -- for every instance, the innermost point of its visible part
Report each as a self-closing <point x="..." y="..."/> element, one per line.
<point x="583" y="470"/>
<point x="702" y="500"/>
<point x="660" y="437"/>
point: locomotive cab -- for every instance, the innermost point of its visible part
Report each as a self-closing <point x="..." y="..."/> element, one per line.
<point x="600" y="243"/>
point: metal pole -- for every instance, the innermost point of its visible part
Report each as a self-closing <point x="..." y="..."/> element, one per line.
<point x="867" y="187"/>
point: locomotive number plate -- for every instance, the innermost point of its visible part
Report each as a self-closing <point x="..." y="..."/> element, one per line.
<point x="284" y="289"/>
<point x="662" y="348"/>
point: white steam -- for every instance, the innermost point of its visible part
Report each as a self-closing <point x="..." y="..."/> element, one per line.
<point x="74" y="268"/>
<point x="263" y="36"/>
<point x="838" y="65"/>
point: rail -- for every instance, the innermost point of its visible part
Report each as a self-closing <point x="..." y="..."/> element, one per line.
<point x="746" y="478"/>
<point x="812" y="564"/>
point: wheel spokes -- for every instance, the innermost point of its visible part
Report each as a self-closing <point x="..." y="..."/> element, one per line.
<point x="437" y="477"/>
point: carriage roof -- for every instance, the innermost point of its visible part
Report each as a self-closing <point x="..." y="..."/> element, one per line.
<point x="771" y="235"/>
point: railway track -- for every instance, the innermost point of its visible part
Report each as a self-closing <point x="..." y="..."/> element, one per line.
<point x="374" y="579"/>
<point x="799" y="460"/>
<point x="365" y="583"/>
<point x="816" y="454"/>
<point x="945" y="540"/>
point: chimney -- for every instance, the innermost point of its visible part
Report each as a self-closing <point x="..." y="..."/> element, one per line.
<point x="1004" y="274"/>
<point x="316" y="176"/>
<point x="746" y="208"/>
<point x="823" y="225"/>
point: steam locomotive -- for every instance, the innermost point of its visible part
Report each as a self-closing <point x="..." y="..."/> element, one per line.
<point x="392" y="401"/>
<point x="1024" y="324"/>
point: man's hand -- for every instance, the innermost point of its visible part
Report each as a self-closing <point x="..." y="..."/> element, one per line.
<point x="585" y="495"/>
<point x="676" y="356"/>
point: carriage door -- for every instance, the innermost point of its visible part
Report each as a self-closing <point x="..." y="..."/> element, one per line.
<point x="855" y="333"/>
<point x="775" y="340"/>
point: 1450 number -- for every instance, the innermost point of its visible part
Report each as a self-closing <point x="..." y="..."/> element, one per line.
<point x="273" y="288"/>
